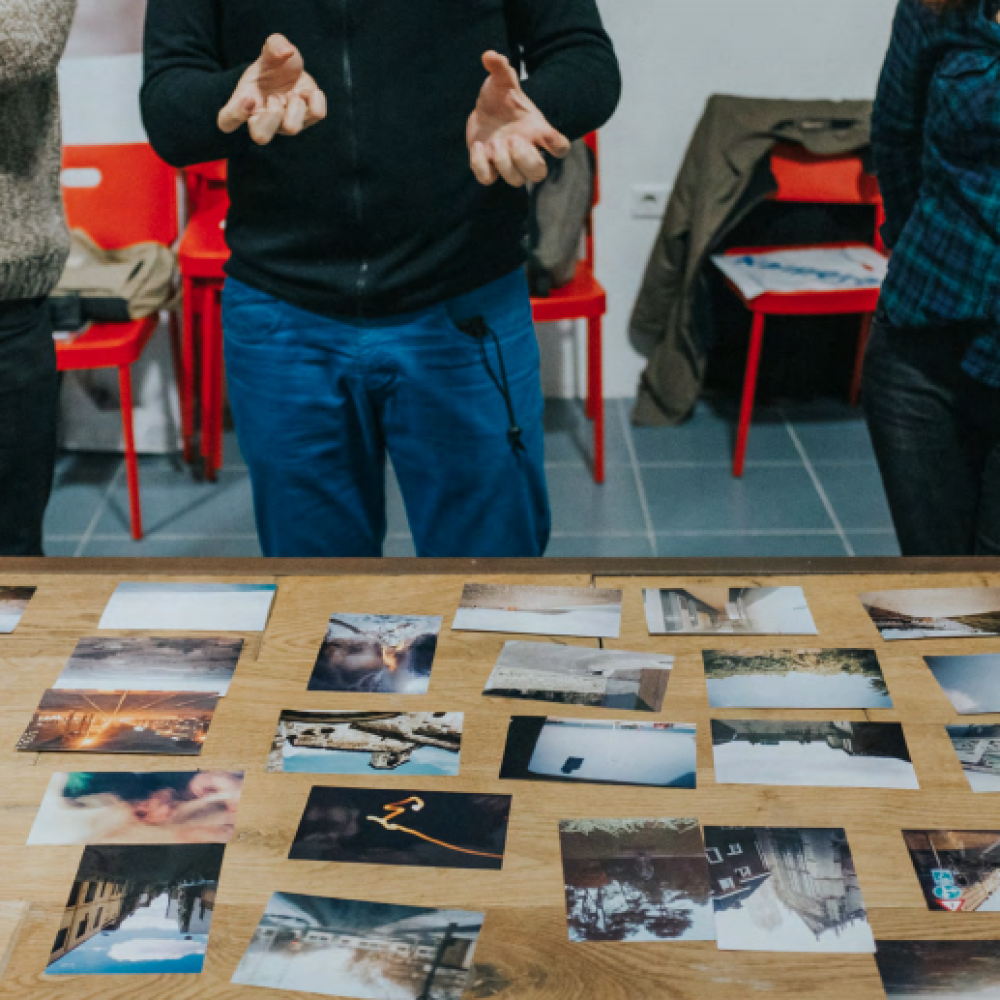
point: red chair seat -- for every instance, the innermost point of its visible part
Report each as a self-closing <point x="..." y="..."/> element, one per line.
<point x="203" y="251"/>
<point x="106" y="345"/>
<point x="583" y="297"/>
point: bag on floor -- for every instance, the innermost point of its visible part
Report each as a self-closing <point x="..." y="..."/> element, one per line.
<point x="112" y="286"/>
<point x="560" y="207"/>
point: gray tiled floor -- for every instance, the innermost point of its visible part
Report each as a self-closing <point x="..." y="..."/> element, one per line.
<point x="811" y="489"/>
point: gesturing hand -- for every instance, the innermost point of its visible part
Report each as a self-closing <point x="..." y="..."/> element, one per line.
<point x="274" y="95"/>
<point x="506" y="133"/>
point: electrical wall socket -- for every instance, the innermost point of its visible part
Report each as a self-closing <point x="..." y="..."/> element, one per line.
<point x="649" y="201"/>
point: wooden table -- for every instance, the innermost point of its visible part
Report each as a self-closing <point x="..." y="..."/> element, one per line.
<point x="524" y="951"/>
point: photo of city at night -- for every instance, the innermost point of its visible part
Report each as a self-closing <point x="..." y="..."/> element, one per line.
<point x="350" y="948"/>
<point x="403" y="827"/>
<point x="377" y="654"/>
<point x="138" y="910"/>
<point x="13" y="602"/>
<point x="148" y="722"/>
<point x="939" y="970"/>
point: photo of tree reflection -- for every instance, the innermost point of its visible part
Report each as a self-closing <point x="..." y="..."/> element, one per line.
<point x="636" y="880"/>
<point x="377" y="654"/>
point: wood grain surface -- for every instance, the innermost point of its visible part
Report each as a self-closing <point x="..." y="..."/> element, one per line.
<point x="524" y="951"/>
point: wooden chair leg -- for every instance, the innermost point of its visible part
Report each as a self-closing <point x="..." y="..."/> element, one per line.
<point x="595" y="380"/>
<point x="749" y="394"/>
<point x="859" y="362"/>
<point x="131" y="459"/>
<point x="187" y="368"/>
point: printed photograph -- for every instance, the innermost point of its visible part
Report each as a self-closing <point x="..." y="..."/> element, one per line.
<point x="636" y="880"/>
<point x="190" y="607"/>
<point x="205" y="665"/>
<point x="959" y="870"/>
<point x="139" y="910"/>
<point x="935" y="614"/>
<point x="584" y="612"/>
<point x="820" y="754"/>
<point x="577" y="675"/>
<point x="792" y="890"/>
<point x="402" y="827"/>
<point x="150" y="722"/>
<point x="729" y="611"/>
<point x="373" y="951"/>
<point x="601" y="751"/>
<point x="153" y="807"/>
<point x="795" y="678"/>
<point x="365" y="742"/>
<point x="377" y="654"/>
<point x="13" y="602"/>
<point x="943" y="970"/>
<point x="978" y="751"/>
<point x="972" y="683"/>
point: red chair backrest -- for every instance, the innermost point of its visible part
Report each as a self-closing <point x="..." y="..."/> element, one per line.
<point x="120" y="194"/>
<point x="802" y="176"/>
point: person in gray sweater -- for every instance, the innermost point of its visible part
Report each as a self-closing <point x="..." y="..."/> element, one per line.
<point x="34" y="245"/>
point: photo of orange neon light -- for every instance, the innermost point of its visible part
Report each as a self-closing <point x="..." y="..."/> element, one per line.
<point x="149" y="722"/>
<point x="403" y="827"/>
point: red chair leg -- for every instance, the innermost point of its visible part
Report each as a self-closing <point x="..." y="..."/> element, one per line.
<point x="749" y="394"/>
<point x="859" y="363"/>
<point x="131" y="460"/>
<point x="186" y="376"/>
<point x="595" y="380"/>
<point x="589" y="410"/>
<point x="177" y="359"/>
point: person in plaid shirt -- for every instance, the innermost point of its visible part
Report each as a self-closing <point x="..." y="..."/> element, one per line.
<point x="932" y="378"/>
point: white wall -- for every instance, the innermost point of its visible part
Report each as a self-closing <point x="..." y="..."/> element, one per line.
<point x="674" y="54"/>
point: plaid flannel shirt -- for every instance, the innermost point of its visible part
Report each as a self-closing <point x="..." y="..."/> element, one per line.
<point x="936" y="141"/>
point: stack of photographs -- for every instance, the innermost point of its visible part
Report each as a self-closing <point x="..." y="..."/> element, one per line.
<point x="13" y="603"/>
<point x="577" y="675"/>
<point x="819" y="754"/>
<point x="795" y="678"/>
<point x="377" y="654"/>
<point x="978" y="751"/>
<point x="748" y="888"/>
<point x="403" y="827"/>
<point x="351" y="948"/>
<point x="972" y="683"/>
<point x="142" y="695"/>
<point x="124" y="807"/>
<point x="584" y="612"/>
<point x="189" y="607"/>
<point x="961" y="613"/>
<point x="138" y="910"/>
<point x="364" y="742"/>
<point x="729" y="611"/>
<point x="603" y="751"/>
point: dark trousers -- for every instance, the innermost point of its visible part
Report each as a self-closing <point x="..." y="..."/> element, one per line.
<point x="936" y="433"/>
<point x="29" y="394"/>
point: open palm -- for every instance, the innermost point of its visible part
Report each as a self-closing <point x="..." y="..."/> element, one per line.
<point x="507" y="134"/>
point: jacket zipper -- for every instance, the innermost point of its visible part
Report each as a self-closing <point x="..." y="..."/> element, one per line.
<point x="359" y="213"/>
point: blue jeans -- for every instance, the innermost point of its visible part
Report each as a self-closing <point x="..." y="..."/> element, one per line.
<point x="318" y="403"/>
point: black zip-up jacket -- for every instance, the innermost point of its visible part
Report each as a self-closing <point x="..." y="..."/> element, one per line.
<point x="374" y="211"/>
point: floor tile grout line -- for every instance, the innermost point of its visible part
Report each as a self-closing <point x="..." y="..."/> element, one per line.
<point x="817" y="483"/>
<point x="637" y="473"/>
<point x="101" y="507"/>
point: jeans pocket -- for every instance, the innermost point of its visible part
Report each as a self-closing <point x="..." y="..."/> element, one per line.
<point x="250" y="316"/>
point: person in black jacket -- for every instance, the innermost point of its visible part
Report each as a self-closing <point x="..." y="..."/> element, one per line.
<point x="376" y="303"/>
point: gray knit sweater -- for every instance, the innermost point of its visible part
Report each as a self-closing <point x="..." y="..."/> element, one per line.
<point x="34" y="242"/>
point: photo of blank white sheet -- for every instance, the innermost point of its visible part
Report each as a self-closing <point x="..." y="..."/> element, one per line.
<point x="190" y="607"/>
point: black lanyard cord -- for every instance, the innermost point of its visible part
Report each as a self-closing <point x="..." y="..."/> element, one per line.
<point x="479" y="329"/>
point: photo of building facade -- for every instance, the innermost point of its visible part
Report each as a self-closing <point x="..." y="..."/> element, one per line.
<point x="728" y="611"/>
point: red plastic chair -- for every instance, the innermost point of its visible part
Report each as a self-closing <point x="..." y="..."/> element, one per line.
<point x="202" y="255"/>
<point x="119" y="194"/>
<point x="584" y="298"/>
<point x="804" y="177"/>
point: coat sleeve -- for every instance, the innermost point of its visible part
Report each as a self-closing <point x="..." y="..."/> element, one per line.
<point x="33" y="35"/>
<point x="573" y="73"/>
<point x="186" y="82"/>
<point x="898" y="117"/>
